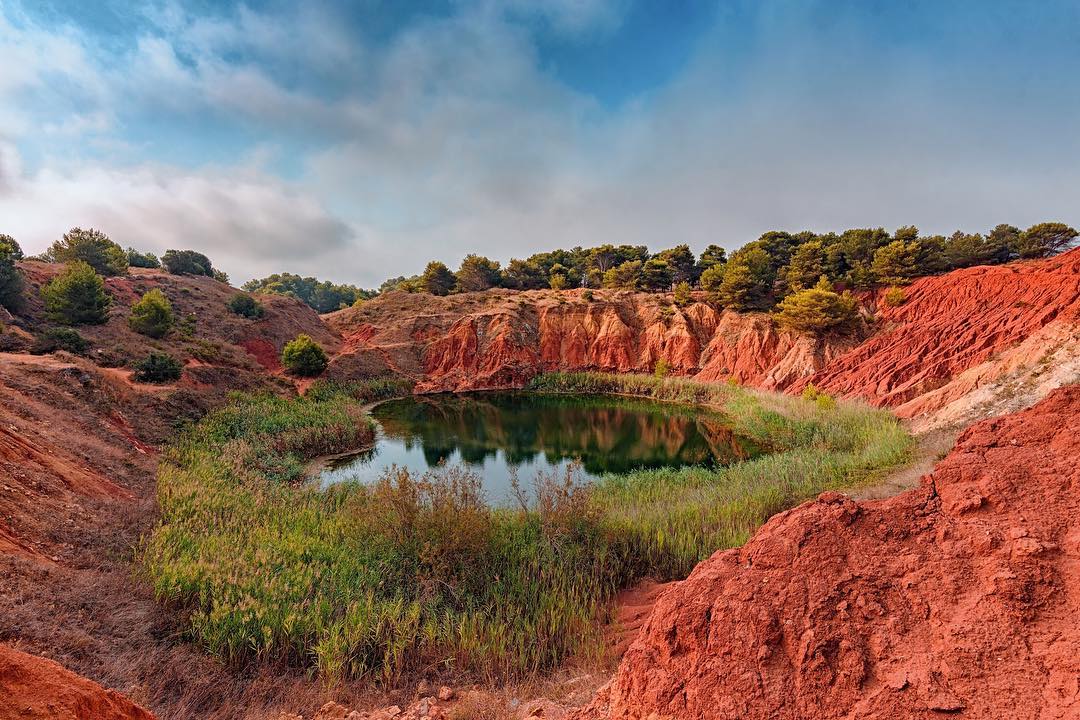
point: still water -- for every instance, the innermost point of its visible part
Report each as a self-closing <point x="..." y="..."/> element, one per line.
<point x="499" y="435"/>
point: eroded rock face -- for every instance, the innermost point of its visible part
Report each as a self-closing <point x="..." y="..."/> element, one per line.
<point x="915" y="358"/>
<point x="953" y="322"/>
<point x="957" y="597"/>
<point x="501" y="340"/>
<point x="33" y="687"/>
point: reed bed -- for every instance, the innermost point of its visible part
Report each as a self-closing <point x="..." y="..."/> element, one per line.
<point x="418" y="575"/>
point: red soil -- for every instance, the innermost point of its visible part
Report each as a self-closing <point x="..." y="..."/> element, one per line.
<point x="957" y="597"/>
<point x="33" y="687"/>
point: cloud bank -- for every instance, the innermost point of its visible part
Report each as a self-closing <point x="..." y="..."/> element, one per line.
<point x="294" y="140"/>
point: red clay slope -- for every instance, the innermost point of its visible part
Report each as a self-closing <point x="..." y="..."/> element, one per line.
<point x="952" y="322"/>
<point x="958" y="597"/>
<point x="33" y="687"/>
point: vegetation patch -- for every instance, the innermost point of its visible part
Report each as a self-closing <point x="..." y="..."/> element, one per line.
<point x="303" y="356"/>
<point x="60" y="338"/>
<point x="77" y="296"/>
<point x="158" y="368"/>
<point x="152" y="315"/>
<point x="418" y="574"/>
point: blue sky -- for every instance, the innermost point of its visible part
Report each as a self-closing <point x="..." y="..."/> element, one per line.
<point x="356" y="141"/>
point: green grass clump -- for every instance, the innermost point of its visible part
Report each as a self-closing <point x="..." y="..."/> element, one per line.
<point x="415" y="574"/>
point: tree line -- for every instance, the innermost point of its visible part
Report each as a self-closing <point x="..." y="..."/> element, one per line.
<point x="757" y="276"/>
<point x="779" y="271"/>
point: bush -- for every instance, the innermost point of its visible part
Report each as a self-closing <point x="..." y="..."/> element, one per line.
<point x="303" y="356"/>
<point x="11" y="282"/>
<point x="587" y="296"/>
<point x="823" y="400"/>
<point x="158" y="368"/>
<point x="77" y="296"/>
<point x="186" y="326"/>
<point x="817" y="310"/>
<point x="895" y="297"/>
<point x="152" y="315"/>
<point x="246" y="306"/>
<point x="142" y="260"/>
<point x="55" y="339"/>
<point x="683" y="296"/>
<point x="662" y="369"/>
<point x="187" y="262"/>
<point x="91" y="247"/>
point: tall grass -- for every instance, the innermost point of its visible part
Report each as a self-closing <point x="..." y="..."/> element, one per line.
<point x="418" y="574"/>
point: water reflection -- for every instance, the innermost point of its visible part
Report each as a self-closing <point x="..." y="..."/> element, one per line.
<point x="498" y="434"/>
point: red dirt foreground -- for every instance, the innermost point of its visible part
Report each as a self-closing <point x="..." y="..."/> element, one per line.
<point x="32" y="687"/>
<point x="959" y="597"/>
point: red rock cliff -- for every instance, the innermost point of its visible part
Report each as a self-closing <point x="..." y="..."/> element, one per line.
<point x="500" y="339"/>
<point x="946" y="326"/>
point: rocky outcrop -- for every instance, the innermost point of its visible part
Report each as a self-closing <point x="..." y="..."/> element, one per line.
<point x="33" y="687"/>
<point x="957" y="597"/>
<point x="914" y="359"/>
<point x="500" y="339"/>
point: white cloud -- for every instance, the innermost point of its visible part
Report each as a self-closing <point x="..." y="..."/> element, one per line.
<point x="453" y="139"/>
<point x="249" y="224"/>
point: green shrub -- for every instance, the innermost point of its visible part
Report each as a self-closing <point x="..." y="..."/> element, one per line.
<point x="152" y="315"/>
<point x="208" y="351"/>
<point x="895" y="297"/>
<point x="11" y="282"/>
<point x="187" y="262"/>
<point x="55" y="339"/>
<point x="246" y="306"/>
<point x="587" y="296"/>
<point x="77" y="296"/>
<point x="91" y="247"/>
<point x="187" y="325"/>
<point x="823" y="400"/>
<point x="683" y="295"/>
<point x="158" y="368"/>
<point x="818" y="310"/>
<point x="303" y="356"/>
<point x="662" y="369"/>
<point x="142" y="260"/>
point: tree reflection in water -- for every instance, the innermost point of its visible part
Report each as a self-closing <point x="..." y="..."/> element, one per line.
<point x="500" y="433"/>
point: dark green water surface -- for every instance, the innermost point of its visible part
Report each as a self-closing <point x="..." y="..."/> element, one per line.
<point x="502" y="434"/>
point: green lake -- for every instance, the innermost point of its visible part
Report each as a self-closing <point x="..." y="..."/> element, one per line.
<point x="502" y="435"/>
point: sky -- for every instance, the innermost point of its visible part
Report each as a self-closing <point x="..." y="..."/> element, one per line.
<point x="356" y="141"/>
